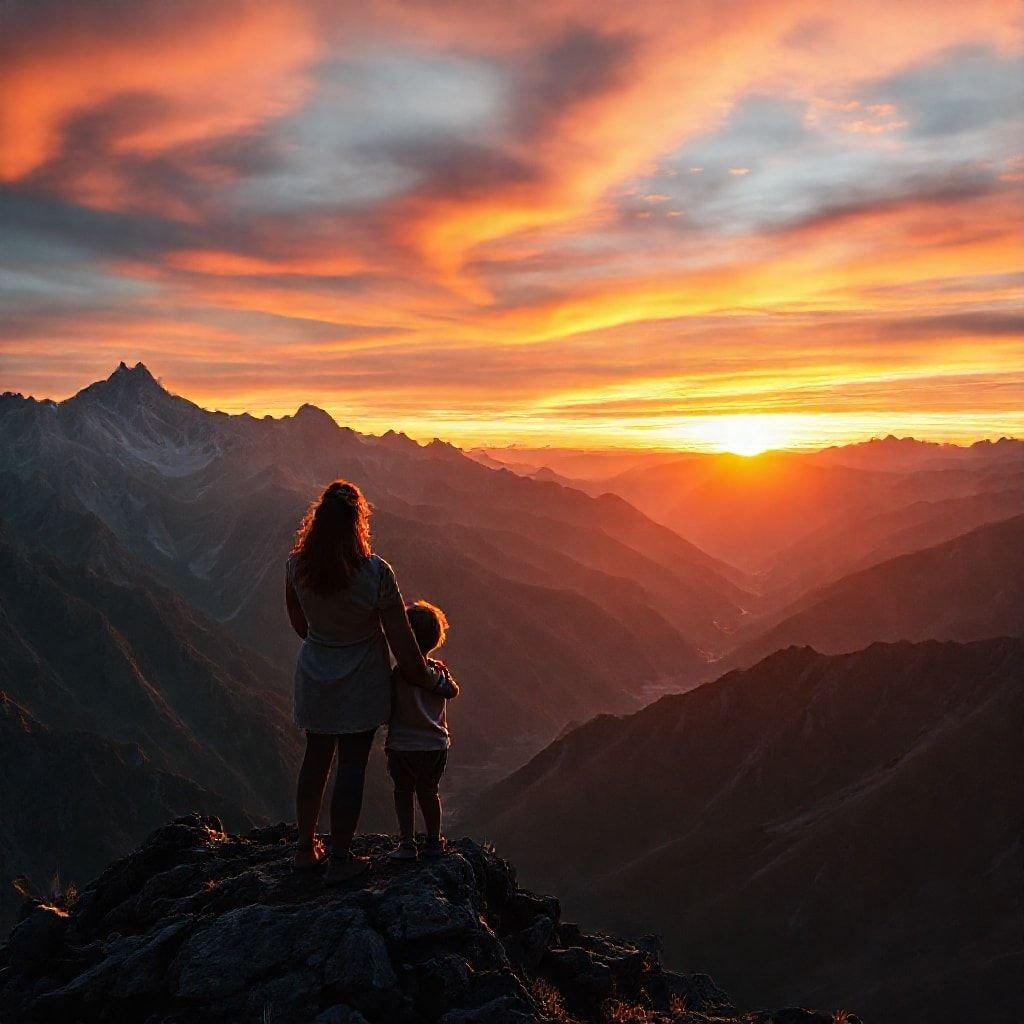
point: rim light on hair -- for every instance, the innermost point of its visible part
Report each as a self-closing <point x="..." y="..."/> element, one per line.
<point x="333" y="539"/>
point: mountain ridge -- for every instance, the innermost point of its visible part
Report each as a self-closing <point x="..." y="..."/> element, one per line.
<point x="799" y="817"/>
<point x="966" y="588"/>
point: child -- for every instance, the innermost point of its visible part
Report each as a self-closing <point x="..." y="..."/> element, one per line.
<point x="418" y="739"/>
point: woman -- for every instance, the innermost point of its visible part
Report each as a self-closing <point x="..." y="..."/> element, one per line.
<point x="343" y="601"/>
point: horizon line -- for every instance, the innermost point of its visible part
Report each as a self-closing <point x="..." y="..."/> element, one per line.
<point x="526" y="444"/>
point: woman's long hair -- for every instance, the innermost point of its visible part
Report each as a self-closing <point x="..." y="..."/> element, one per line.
<point x="334" y="538"/>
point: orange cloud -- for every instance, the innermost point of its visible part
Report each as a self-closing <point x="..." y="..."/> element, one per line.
<point x="230" y="264"/>
<point x="608" y="134"/>
<point x="214" y="69"/>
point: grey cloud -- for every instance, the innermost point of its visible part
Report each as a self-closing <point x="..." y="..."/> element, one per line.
<point x="964" y="90"/>
<point x="579" y="65"/>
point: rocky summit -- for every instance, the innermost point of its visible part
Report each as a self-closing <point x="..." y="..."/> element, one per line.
<point x="199" y="926"/>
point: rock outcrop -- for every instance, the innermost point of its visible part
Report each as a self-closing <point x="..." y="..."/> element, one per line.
<point x="198" y="926"/>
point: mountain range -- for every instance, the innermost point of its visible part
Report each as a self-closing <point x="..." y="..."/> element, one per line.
<point x="208" y="503"/>
<point x="815" y="825"/>
<point x="799" y="519"/>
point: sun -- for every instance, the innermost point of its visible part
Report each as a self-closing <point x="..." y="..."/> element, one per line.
<point x="745" y="434"/>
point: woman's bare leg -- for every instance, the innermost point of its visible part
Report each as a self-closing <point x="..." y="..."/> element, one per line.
<point x="309" y="793"/>
<point x="347" y="799"/>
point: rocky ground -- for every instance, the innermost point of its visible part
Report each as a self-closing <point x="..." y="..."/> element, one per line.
<point x="198" y="926"/>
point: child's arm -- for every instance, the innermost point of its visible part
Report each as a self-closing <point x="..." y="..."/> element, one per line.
<point x="436" y="679"/>
<point x="446" y="686"/>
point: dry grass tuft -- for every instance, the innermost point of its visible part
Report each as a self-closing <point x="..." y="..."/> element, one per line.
<point x="618" y="1012"/>
<point x="23" y="887"/>
<point x="549" y="999"/>
<point x="677" y="1005"/>
<point x="63" y="894"/>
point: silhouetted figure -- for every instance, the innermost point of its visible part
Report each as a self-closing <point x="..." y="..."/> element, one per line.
<point x="418" y="737"/>
<point x="344" y="602"/>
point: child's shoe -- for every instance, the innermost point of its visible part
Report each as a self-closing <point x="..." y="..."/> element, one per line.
<point x="434" y="847"/>
<point x="405" y="850"/>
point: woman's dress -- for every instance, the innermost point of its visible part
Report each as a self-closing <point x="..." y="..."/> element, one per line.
<point x="343" y="670"/>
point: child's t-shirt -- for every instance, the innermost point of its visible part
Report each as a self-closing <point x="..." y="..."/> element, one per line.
<point x="419" y="720"/>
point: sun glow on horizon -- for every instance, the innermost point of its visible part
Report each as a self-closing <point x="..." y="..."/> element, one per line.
<point x="668" y="429"/>
<point x="744" y="434"/>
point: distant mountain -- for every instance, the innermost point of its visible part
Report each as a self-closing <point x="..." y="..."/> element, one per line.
<point x="852" y="542"/>
<point x="749" y="511"/>
<point x="969" y="588"/>
<point x="579" y="464"/>
<point x="70" y="801"/>
<point x="815" y="826"/>
<point x="589" y="468"/>
<point x="907" y="454"/>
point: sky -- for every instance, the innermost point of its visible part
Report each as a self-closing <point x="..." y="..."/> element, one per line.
<point x="694" y="224"/>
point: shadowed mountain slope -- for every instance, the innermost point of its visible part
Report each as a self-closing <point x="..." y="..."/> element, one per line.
<point x="133" y="663"/>
<point x="71" y="801"/>
<point x="814" y="825"/>
<point x="968" y="588"/>
<point x="851" y="542"/>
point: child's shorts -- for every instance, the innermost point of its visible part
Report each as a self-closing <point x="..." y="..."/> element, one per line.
<point x="411" y="769"/>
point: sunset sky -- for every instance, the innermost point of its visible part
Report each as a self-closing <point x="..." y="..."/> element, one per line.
<point x="572" y="223"/>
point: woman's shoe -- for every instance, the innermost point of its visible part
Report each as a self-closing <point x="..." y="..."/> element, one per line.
<point x="405" y="850"/>
<point x="434" y="848"/>
<point x="345" y="867"/>
<point x="308" y="858"/>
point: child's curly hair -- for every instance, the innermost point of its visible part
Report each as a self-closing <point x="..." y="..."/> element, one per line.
<point x="429" y="624"/>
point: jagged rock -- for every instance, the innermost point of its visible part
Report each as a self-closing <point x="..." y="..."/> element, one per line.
<point x="197" y="926"/>
<point x="524" y="908"/>
<point x="697" y="992"/>
<point x="40" y="934"/>
<point x="526" y="948"/>
<point x="795" y="1015"/>
<point x="584" y="980"/>
<point x="340" y="1014"/>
